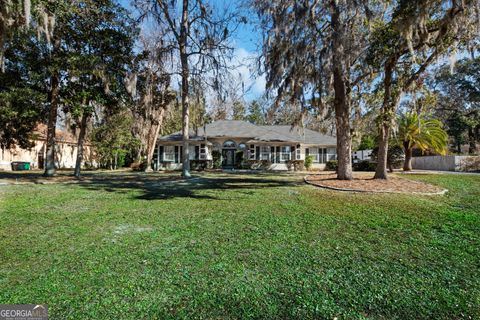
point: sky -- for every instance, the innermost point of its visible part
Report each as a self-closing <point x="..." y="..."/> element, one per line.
<point x="245" y="43"/>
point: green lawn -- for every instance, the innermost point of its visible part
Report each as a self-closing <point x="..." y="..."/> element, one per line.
<point x="241" y="246"/>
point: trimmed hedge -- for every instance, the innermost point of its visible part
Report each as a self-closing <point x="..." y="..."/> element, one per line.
<point x="295" y="165"/>
<point x="200" y="165"/>
<point x="259" y="164"/>
<point x="364" y="165"/>
<point x="331" y="165"/>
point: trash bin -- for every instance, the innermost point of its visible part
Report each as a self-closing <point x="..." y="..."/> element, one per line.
<point x="20" y="165"/>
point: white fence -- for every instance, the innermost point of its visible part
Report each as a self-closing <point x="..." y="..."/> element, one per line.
<point x="441" y="163"/>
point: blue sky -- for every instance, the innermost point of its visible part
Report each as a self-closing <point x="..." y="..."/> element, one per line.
<point x="245" y="42"/>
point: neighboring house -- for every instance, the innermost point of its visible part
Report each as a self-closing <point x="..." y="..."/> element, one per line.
<point x="65" y="155"/>
<point x="361" y="155"/>
<point x="241" y="141"/>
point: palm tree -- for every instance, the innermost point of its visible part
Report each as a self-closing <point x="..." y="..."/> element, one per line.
<point x="415" y="130"/>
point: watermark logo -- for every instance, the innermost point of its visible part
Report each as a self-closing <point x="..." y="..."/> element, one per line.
<point x="23" y="312"/>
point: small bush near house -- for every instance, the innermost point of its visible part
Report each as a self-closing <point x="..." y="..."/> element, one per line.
<point x="364" y="165"/>
<point x="295" y="165"/>
<point x="239" y="159"/>
<point x="308" y="162"/>
<point x="217" y="159"/>
<point x="259" y="164"/>
<point x="138" y="165"/>
<point x="200" y="165"/>
<point x="331" y="165"/>
<point x="471" y="164"/>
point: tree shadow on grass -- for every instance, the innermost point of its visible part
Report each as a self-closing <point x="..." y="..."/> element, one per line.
<point x="210" y="187"/>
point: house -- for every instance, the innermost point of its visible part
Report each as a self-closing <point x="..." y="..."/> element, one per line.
<point x="241" y="143"/>
<point x="361" y="155"/>
<point x="65" y="151"/>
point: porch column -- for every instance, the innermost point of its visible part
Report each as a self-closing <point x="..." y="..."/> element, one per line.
<point x="158" y="157"/>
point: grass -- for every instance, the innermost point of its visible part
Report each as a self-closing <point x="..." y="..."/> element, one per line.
<point x="241" y="246"/>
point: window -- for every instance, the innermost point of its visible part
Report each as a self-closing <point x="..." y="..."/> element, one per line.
<point x="285" y="153"/>
<point x="169" y="153"/>
<point x="229" y="144"/>
<point x="331" y="154"/>
<point x="193" y="152"/>
<point x="298" y="153"/>
<point x="315" y="155"/>
<point x="264" y="153"/>
<point x="203" y="152"/>
<point x="252" y="152"/>
<point x="242" y="146"/>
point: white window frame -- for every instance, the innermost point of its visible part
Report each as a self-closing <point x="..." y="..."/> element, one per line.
<point x="203" y="151"/>
<point x="169" y="151"/>
<point x="331" y="154"/>
<point x="315" y="155"/>
<point x="298" y="153"/>
<point x="285" y="153"/>
<point x="251" y="153"/>
<point x="265" y="152"/>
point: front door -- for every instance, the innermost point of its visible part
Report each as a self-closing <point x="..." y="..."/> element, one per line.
<point x="228" y="156"/>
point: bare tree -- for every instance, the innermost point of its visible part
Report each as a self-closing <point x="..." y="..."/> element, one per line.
<point x="198" y="34"/>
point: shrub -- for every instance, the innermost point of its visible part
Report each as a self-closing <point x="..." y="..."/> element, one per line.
<point x="200" y="165"/>
<point x="295" y="165"/>
<point x="217" y="159"/>
<point x="139" y="165"/>
<point x="239" y="159"/>
<point x="331" y="165"/>
<point x="470" y="164"/>
<point x="308" y="162"/>
<point x="259" y="164"/>
<point x="364" y="165"/>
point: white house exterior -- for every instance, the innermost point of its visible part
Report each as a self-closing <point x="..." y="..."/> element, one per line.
<point x="274" y="146"/>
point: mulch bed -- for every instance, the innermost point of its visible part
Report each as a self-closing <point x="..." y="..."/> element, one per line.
<point x="364" y="182"/>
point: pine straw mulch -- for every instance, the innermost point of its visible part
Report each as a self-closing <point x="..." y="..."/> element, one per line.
<point x="364" y="182"/>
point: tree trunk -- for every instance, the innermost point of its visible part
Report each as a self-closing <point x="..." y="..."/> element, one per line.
<point x="390" y="102"/>
<point x="152" y="139"/>
<point x="341" y="102"/>
<point x="472" y="143"/>
<point x="382" y="156"/>
<point x="50" y="169"/>
<point x="185" y="90"/>
<point x="81" y="141"/>
<point x="407" y="165"/>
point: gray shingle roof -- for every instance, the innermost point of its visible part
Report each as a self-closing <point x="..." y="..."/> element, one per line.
<point x="243" y="129"/>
